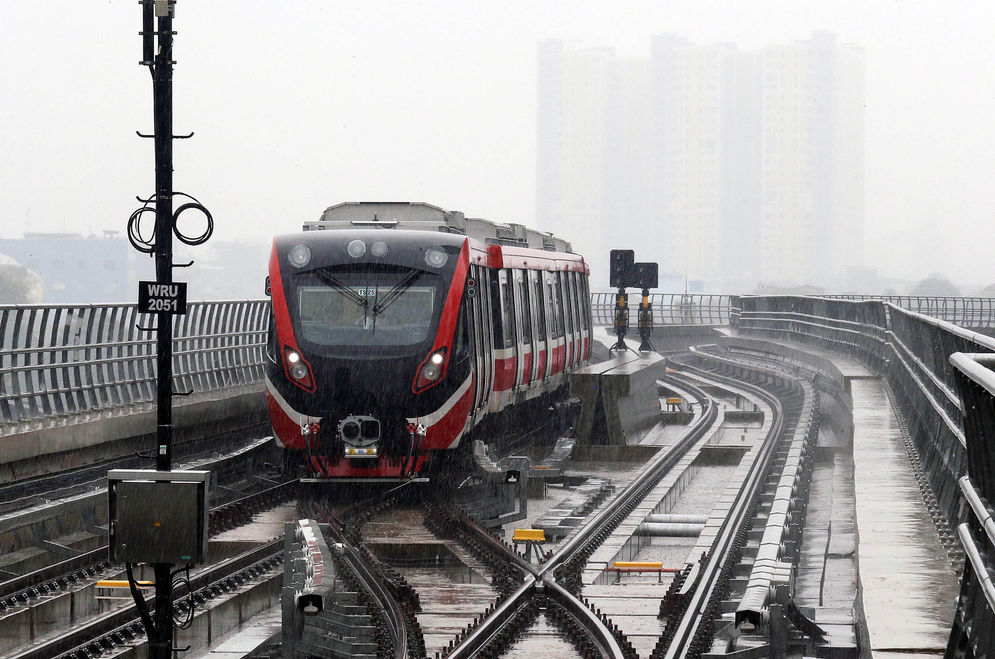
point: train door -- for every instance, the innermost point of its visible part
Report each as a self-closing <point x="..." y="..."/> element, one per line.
<point x="487" y="343"/>
<point x="585" y="315"/>
<point x="505" y="333"/>
<point x="481" y="338"/>
<point x="568" y="318"/>
<point x="526" y="367"/>
<point x="574" y="287"/>
<point x="554" y="317"/>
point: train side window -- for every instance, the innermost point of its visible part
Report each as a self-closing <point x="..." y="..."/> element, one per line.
<point x="523" y="295"/>
<point x="568" y="307"/>
<point x="495" y="286"/>
<point x="554" y="305"/>
<point x="575" y="292"/>
<point x="541" y="308"/>
<point x="507" y="309"/>
<point x="585" y="298"/>
<point x="564" y="292"/>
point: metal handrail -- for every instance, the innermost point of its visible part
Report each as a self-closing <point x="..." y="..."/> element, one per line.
<point x="62" y="361"/>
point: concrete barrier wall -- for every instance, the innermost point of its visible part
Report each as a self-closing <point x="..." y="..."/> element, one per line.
<point x="619" y="400"/>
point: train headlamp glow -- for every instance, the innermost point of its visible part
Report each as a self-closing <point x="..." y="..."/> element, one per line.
<point x="298" y="370"/>
<point x="378" y="248"/>
<point x="356" y="248"/>
<point x="299" y="255"/>
<point x="431" y="370"/>
<point x="435" y="257"/>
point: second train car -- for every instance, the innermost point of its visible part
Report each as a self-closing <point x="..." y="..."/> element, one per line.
<point x="396" y="328"/>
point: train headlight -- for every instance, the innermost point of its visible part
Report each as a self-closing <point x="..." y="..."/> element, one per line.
<point x="378" y="248"/>
<point x="299" y="255"/>
<point x="435" y="257"/>
<point x="298" y="370"/>
<point x="356" y="248"/>
<point x="430" y="371"/>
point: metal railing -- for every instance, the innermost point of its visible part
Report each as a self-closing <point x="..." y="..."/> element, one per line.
<point x="668" y="309"/>
<point x="76" y="359"/>
<point x="974" y="621"/>
<point x="926" y="361"/>
<point x="69" y="360"/>
<point x="687" y="309"/>
<point x="977" y="312"/>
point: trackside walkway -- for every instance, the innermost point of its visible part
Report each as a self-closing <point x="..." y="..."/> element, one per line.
<point x="909" y="590"/>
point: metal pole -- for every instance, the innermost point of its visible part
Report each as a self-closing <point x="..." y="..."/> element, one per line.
<point x="162" y="86"/>
<point x="161" y="635"/>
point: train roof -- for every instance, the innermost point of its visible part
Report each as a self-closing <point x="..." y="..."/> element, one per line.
<point x="427" y="217"/>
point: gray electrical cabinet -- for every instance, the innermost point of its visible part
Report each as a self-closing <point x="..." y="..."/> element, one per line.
<point x="158" y="516"/>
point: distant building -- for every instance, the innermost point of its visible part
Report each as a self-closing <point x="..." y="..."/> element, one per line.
<point x="728" y="166"/>
<point x="76" y="268"/>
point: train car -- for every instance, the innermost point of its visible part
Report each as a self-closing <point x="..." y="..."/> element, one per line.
<point x="397" y="328"/>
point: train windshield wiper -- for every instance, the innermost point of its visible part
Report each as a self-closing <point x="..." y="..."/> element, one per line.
<point x="343" y="289"/>
<point x="395" y="293"/>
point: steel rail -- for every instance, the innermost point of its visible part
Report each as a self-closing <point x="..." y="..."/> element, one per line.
<point x="689" y="624"/>
<point x="375" y="587"/>
<point x="543" y="576"/>
<point x="19" y="587"/>
<point x="638" y="488"/>
<point x="107" y="623"/>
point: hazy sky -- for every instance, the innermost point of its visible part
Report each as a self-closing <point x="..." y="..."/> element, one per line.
<point x="299" y="105"/>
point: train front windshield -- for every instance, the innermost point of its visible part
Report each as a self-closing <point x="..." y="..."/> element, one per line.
<point x="366" y="308"/>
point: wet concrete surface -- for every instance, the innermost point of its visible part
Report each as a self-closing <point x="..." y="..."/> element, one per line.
<point x="541" y="641"/>
<point x="909" y="590"/>
<point x="452" y="585"/>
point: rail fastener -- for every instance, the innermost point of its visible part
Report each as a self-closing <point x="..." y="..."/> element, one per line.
<point x="619" y="567"/>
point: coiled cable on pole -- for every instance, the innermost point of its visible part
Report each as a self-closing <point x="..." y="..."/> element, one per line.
<point x="193" y="205"/>
<point x="144" y="244"/>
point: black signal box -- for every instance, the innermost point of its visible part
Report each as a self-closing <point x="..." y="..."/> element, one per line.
<point x="158" y="516"/>
<point x="643" y="275"/>
<point x="621" y="261"/>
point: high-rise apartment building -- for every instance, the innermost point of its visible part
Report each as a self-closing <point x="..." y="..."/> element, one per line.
<point x="728" y="167"/>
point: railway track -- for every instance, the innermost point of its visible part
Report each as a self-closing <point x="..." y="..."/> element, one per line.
<point x="523" y="590"/>
<point x="77" y="575"/>
<point x="554" y="586"/>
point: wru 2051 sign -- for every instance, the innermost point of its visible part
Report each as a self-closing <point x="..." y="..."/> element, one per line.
<point x="154" y="297"/>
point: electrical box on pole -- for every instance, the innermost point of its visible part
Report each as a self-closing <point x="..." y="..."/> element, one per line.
<point x="158" y="516"/>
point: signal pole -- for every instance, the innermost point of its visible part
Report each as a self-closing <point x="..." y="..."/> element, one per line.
<point x="162" y="92"/>
<point x="163" y="297"/>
